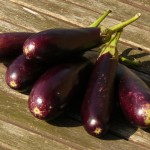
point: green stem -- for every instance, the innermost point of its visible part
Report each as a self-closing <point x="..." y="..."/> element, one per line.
<point x="100" y="19"/>
<point x="130" y="62"/>
<point x="124" y="24"/>
<point x="103" y="47"/>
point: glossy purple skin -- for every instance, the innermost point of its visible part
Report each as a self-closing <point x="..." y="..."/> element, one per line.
<point x="22" y="73"/>
<point x="134" y="97"/>
<point x="53" y="92"/>
<point x="11" y="44"/>
<point x="98" y="102"/>
<point x="61" y="43"/>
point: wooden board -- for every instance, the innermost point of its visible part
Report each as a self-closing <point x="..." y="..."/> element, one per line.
<point x="18" y="128"/>
<point x="74" y="12"/>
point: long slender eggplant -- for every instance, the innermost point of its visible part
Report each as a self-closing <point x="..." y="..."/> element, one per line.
<point x="22" y="73"/>
<point x="55" y="89"/>
<point x="98" y="101"/>
<point x="134" y="97"/>
<point x="53" y="44"/>
<point x="11" y="43"/>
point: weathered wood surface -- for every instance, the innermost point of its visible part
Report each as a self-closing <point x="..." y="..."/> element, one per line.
<point x="70" y="12"/>
<point x="18" y="128"/>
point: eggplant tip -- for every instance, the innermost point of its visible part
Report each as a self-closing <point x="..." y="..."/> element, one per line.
<point x="36" y="111"/>
<point x="147" y="117"/>
<point x="28" y="49"/>
<point x="13" y="84"/>
<point x="97" y="131"/>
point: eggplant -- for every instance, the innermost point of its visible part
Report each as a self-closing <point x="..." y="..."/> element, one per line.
<point x="98" y="102"/>
<point x="53" y="44"/>
<point x="134" y="97"/>
<point x="54" y="90"/>
<point x="22" y="73"/>
<point x="11" y="43"/>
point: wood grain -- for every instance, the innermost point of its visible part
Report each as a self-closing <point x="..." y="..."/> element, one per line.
<point x="15" y="137"/>
<point x="27" y="18"/>
<point x="142" y="4"/>
<point x="129" y="132"/>
<point x="16" y="122"/>
<point x="63" y="130"/>
<point x="68" y="12"/>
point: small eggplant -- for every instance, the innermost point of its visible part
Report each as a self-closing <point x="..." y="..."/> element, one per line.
<point x="55" y="89"/>
<point x="11" y="43"/>
<point x="53" y="44"/>
<point x="98" y="101"/>
<point x="22" y="73"/>
<point x="134" y="97"/>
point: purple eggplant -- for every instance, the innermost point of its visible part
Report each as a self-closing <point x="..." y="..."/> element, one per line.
<point x="134" y="97"/>
<point x="22" y="73"/>
<point x="53" y="44"/>
<point x="98" y="102"/>
<point x="11" y="43"/>
<point x="57" y="40"/>
<point x="55" y="89"/>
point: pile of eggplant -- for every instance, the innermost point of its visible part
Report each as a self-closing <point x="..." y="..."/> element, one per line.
<point x="57" y="66"/>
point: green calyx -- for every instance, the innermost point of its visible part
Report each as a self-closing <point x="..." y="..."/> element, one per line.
<point x="111" y="46"/>
<point x="105" y="34"/>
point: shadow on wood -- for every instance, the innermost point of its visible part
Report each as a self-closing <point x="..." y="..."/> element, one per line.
<point x="121" y="127"/>
<point x="137" y="54"/>
<point x="64" y="121"/>
<point x="7" y="61"/>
